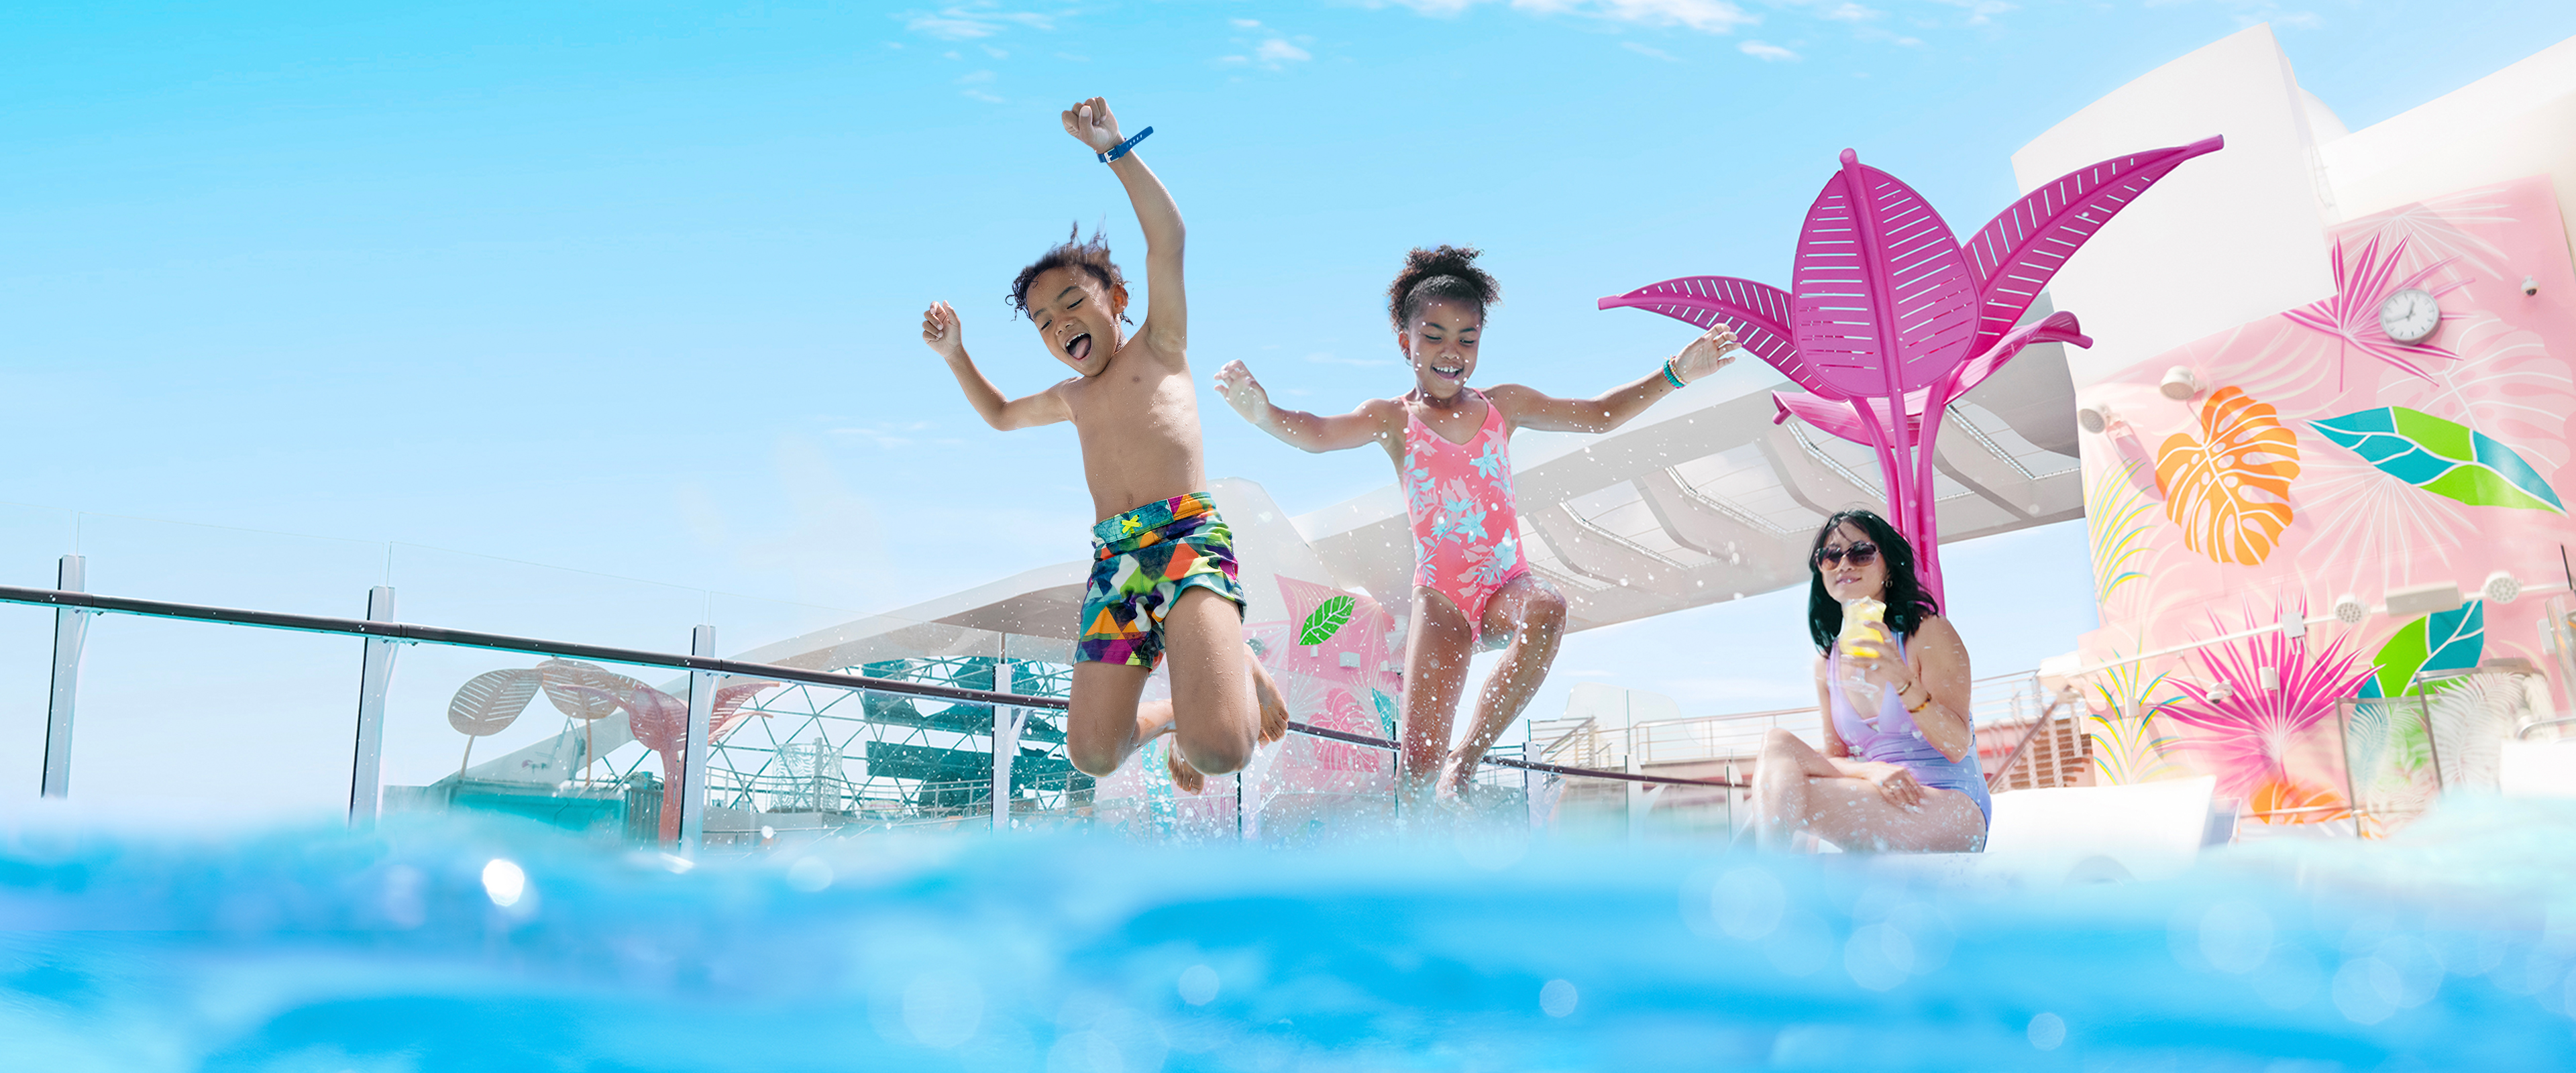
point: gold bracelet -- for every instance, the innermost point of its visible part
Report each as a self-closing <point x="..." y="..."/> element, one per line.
<point x="1927" y="701"/>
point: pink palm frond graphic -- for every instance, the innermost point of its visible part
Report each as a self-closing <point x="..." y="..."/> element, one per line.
<point x="2246" y="728"/>
<point x="2352" y="315"/>
<point x="1889" y="319"/>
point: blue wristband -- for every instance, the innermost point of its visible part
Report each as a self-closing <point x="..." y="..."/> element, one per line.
<point x="1121" y="148"/>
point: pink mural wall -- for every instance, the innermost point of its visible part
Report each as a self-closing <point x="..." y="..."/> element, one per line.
<point x="2323" y="458"/>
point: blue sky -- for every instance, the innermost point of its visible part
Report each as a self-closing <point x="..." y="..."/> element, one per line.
<point x="634" y="289"/>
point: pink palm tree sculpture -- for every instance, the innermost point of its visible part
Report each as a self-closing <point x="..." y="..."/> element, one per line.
<point x="1889" y="319"/>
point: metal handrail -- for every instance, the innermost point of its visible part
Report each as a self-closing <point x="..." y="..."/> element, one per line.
<point x="2524" y="734"/>
<point x="413" y="633"/>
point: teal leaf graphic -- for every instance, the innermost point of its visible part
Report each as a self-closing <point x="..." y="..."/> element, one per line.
<point x="2451" y="640"/>
<point x="1326" y="620"/>
<point x="1385" y="706"/>
<point x="2441" y="457"/>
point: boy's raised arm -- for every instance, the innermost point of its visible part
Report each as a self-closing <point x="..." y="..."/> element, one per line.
<point x="1167" y="316"/>
<point x="946" y="337"/>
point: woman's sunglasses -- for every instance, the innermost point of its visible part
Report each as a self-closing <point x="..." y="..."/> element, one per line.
<point x="1861" y="554"/>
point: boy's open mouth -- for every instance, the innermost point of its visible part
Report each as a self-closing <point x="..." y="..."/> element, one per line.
<point x="1078" y="347"/>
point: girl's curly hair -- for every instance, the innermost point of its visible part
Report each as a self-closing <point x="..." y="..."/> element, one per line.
<point x="1448" y="273"/>
<point x="1092" y="257"/>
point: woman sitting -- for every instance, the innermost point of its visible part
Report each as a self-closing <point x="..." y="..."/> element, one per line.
<point x="1903" y="777"/>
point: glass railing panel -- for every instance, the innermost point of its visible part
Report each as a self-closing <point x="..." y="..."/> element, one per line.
<point x="195" y="721"/>
<point x="32" y="543"/>
<point x="576" y="743"/>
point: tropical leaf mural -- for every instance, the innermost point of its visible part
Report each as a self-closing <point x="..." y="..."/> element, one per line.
<point x="2128" y="744"/>
<point x="2229" y="487"/>
<point x="2442" y="457"/>
<point x="2352" y="315"/>
<point x="2451" y="640"/>
<point x="2244" y="732"/>
<point x="1326" y="620"/>
<point x="2115" y="517"/>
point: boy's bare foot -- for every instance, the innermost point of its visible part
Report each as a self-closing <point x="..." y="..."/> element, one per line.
<point x="1274" y="708"/>
<point x="1185" y="778"/>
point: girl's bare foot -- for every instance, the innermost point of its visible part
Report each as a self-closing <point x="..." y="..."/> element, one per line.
<point x="1456" y="776"/>
<point x="1274" y="708"/>
<point x="1185" y="778"/>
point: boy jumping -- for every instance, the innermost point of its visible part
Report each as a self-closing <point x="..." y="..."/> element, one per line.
<point x="1163" y="568"/>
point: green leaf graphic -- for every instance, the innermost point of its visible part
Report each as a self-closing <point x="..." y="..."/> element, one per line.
<point x="2443" y="641"/>
<point x="2442" y="457"/>
<point x="1326" y="620"/>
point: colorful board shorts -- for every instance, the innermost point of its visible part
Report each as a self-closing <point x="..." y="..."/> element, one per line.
<point x="1142" y="561"/>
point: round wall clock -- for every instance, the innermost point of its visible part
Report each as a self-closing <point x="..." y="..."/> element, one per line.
<point x="2410" y="315"/>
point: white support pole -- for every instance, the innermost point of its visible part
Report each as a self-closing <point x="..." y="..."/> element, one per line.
<point x="1637" y="802"/>
<point x="71" y="628"/>
<point x="1006" y="744"/>
<point x="375" y="677"/>
<point x="696" y="753"/>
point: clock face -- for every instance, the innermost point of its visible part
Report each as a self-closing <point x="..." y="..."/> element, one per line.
<point x="2409" y="315"/>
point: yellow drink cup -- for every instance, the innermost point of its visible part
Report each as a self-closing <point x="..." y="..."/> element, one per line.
<point x="1864" y="626"/>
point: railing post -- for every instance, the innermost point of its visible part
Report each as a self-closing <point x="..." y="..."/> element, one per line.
<point x="375" y="677"/>
<point x="1006" y="744"/>
<point x="696" y="752"/>
<point x="70" y="629"/>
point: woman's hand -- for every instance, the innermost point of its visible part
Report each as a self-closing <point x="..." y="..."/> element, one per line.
<point x="1896" y="784"/>
<point x="1886" y="668"/>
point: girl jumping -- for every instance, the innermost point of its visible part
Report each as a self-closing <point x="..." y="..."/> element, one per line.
<point x="1451" y="445"/>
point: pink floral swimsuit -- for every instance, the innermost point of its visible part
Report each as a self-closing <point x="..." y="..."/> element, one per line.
<point x="1466" y="532"/>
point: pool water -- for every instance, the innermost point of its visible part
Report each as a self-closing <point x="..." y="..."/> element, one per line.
<point x="454" y="943"/>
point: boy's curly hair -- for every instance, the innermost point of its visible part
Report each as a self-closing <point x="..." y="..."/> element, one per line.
<point x="1444" y="272"/>
<point x="1091" y="257"/>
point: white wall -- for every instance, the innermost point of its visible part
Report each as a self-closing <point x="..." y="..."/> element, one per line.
<point x="2229" y="237"/>
<point x="2517" y="122"/>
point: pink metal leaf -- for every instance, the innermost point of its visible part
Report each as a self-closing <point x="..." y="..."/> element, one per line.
<point x="1842" y="418"/>
<point x="1881" y="300"/>
<point x="1759" y="313"/>
<point x="657" y="719"/>
<point x="2017" y="253"/>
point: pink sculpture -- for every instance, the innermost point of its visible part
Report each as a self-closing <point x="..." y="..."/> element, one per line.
<point x="1888" y="315"/>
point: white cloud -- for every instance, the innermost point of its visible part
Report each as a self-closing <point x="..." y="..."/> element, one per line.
<point x="1706" y="16"/>
<point x="1981" y="12"/>
<point x="1277" y="51"/>
<point x="1851" y="13"/>
<point x="970" y="21"/>
<point x="1644" y="50"/>
<point x="1764" y="52"/>
<point x="973" y="77"/>
<point x="1245" y="24"/>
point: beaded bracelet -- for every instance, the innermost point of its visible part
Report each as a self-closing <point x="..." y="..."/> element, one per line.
<point x="1671" y="375"/>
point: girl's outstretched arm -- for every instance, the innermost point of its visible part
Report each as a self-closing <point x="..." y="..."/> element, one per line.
<point x="1529" y="409"/>
<point x="1304" y="431"/>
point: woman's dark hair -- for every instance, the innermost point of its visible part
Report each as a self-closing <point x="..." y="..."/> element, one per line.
<point x="1447" y="273"/>
<point x="1091" y="257"/>
<point x="1907" y="603"/>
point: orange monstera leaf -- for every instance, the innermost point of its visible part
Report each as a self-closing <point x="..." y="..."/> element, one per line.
<point x="2281" y="801"/>
<point x="2229" y="487"/>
